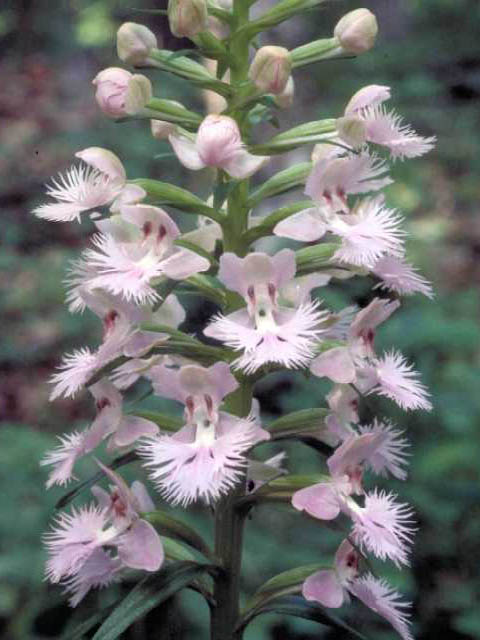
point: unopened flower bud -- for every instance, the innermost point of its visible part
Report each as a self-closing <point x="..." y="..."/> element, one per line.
<point x="356" y="31"/>
<point x="134" y="43"/>
<point x="187" y="18"/>
<point x="352" y="130"/>
<point x="285" y="99"/>
<point x="161" y="129"/>
<point x="270" y="69"/>
<point x="120" y="93"/>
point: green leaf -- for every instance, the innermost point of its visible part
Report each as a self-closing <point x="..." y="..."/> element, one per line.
<point x="308" y="133"/>
<point x="165" y="193"/>
<point x="176" y="551"/>
<point x="303" y="422"/>
<point x="170" y="111"/>
<point x="316" y="51"/>
<point x="78" y="633"/>
<point x="207" y="286"/>
<point x="174" y="528"/>
<point x="280" y="182"/>
<point x="310" y="259"/>
<point x="148" y="594"/>
<point x="286" y="583"/>
<point x="280" y="12"/>
<point x="298" y="607"/>
<point x="115" y="464"/>
<point x="189" y="69"/>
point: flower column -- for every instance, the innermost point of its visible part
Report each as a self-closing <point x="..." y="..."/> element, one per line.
<point x="229" y="520"/>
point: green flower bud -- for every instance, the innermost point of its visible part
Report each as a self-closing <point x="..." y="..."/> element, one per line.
<point x="270" y="69"/>
<point x="356" y="31"/>
<point x="134" y="43"/>
<point x="187" y="18"/>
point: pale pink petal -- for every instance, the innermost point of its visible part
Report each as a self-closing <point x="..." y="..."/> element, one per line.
<point x="74" y="371"/>
<point x="391" y="455"/>
<point x="72" y="540"/>
<point x="304" y="226"/>
<point x="370" y="232"/>
<point x="143" y="501"/>
<point x="380" y="597"/>
<point x="140" y="547"/>
<point x="368" y="96"/>
<point x="131" y="429"/>
<point x="397" y="380"/>
<point x="152" y="221"/>
<point x="184" y="263"/>
<point x="105" y="162"/>
<point x="331" y="180"/>
<point x="185" y="470"/>
<point x="354" y="452"/>
<point x="63" y="458"/>
<point x="335" y="364"/>
<point x="400" y="277"/>
<point x="384" y="527"/>
<point x="186" y="151"/>
<point x="80" y="189"/>
<point x="389" y="130"/>
<point x="320" y="501"/>
<point x="242" y="164"/>
<point x="124" y="269"/>
<point x="284" y="267"/>
<point x="325" y="588"/>
<point x="98" y="571"/>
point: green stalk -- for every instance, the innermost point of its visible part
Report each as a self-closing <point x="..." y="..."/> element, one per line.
<point x="229" y="519"/>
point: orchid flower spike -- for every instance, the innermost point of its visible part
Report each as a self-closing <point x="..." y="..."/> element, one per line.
<point x="265" y="331"/>
<point x="207" y="456"/>
<point x="218" y="144"/>
<point x="382" y="127"/>
<point x="331" y="588"/>
<point x="98" y="181"/>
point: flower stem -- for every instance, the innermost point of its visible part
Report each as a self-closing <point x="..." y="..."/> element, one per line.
<point x="229" y="519"/>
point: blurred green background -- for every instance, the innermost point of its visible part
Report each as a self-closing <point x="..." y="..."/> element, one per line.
<point x="429" y="52"/>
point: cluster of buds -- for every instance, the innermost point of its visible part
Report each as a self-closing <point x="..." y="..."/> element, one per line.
<point x="139" y="265"/>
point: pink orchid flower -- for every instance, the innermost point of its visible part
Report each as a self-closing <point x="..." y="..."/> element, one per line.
<point x="265" y="331"/>
<point x="207" y="456"/>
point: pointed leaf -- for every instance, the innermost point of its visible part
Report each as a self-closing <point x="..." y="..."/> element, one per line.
<point x="313" y="258"/>
<point x="280" y="182"/>
<point x="308" y="133"/>
<point x="303" y="422"/>
<point x="165" y="193"/>
<point x="176" y="551"/>
<point x="300" y="608"/>
<point x="148" y="594"/>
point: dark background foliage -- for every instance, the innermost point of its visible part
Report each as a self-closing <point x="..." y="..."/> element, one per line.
<point x="428" y="52"/>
